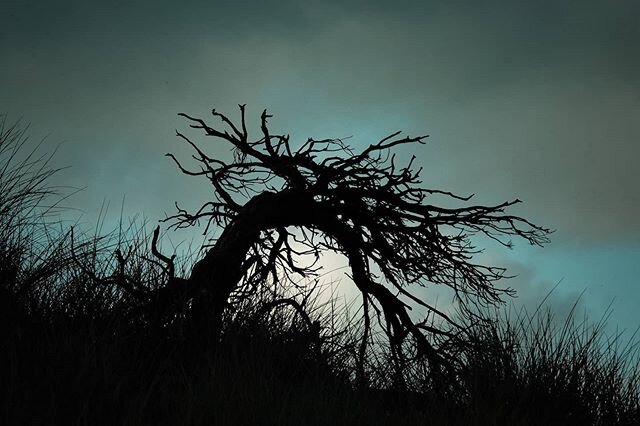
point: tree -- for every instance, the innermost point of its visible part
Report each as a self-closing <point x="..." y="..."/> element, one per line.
<point x="276" y="204"/>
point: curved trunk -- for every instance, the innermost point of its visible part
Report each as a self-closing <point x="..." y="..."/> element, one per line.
<point x="218" y="274"/>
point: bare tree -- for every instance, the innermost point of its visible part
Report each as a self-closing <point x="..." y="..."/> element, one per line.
<point x="276" y="205"/>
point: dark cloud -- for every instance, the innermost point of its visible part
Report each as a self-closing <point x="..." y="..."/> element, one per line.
<point x="531" y="99"/>
<point x="94" y="22"/>
<point x="535" y="100"/>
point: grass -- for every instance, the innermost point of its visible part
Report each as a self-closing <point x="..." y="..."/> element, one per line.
<point x="73" y="354"/>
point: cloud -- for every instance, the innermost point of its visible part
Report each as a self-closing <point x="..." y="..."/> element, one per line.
<point x="536" y="100"/>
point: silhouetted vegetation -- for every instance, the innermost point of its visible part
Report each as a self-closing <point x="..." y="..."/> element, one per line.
<point x="89" y="335"/>
<point x="277" y="205"/>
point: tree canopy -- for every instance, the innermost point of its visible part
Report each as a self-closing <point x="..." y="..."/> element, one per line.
<point x="277" y="203"/>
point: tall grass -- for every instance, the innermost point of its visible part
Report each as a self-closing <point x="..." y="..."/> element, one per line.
<point x="74" y="352"/>
<point x="551" y="371"/>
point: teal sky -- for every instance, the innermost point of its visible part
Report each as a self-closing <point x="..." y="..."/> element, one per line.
<point x="538" y="100"/>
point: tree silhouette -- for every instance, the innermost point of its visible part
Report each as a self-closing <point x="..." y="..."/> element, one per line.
<point x="276" y="205"/>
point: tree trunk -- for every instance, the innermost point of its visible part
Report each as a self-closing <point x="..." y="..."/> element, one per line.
<point x="218" y="274"/>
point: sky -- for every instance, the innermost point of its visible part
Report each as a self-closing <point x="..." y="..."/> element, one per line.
<point x="536" y="100"/>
